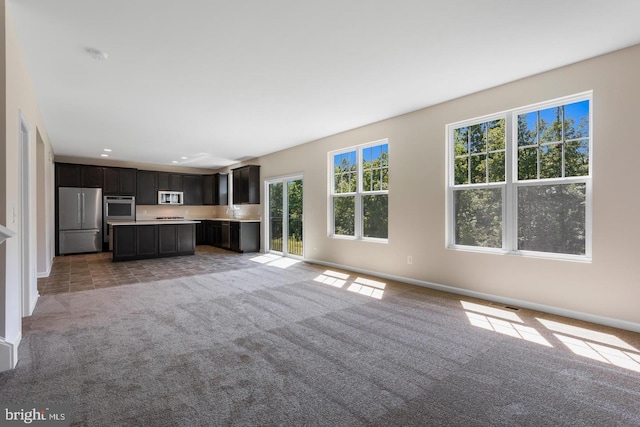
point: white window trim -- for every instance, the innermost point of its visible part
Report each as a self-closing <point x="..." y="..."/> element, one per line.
<point x="358" y="226"/>
<point x="509" y="206"/>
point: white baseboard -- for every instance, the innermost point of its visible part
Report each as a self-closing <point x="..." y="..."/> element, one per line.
<point x="578" y="315"/>
<point x="9" y="353"/>
<point x="42" y="274"/>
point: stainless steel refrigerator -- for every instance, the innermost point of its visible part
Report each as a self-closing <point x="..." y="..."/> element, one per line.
<point x="79" y="220"/>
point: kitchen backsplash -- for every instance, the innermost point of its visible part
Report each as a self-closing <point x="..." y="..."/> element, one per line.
<point x="148" y="212"/>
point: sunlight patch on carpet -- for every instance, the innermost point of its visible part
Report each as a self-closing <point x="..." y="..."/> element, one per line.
<point x="360" y="285"/>
<point x="507" y="328"/>
<point x="606" y="348"/>
<point x="275" y="260"/>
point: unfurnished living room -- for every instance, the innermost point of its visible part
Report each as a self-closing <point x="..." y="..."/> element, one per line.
<point x="319" y="213"/>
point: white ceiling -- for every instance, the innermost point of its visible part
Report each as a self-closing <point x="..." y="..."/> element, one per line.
<point x="219" y="81"/>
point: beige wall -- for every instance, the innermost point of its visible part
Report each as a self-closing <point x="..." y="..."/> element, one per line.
<point x="20" y="99"/>
<point x="607" y="287"/>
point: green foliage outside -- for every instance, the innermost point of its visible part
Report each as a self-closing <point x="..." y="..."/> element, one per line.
<point x="552" y="143"/>
<point x="294" y="200"/>
<point x="375" y="207"/>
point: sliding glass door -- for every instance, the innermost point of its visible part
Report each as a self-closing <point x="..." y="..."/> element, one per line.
<point x="285" y="216"/>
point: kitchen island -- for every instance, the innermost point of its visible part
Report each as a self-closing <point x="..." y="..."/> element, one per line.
<point x="134" y="240"/>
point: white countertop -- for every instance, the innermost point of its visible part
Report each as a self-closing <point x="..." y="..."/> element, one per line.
<point x="228" y="219"/>
<point x="179" y="221"/>
<point x="153" y="222"/>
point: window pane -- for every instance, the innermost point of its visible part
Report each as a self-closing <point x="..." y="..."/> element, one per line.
<point x="477" y="138"/>
<point x="385" y="179"/>
<point x="478" y="169"/>
<point x="344" y="215"/>
<point x="550" y="125"/>
<point x="479" y="217"/>
<point x="551" y="218"/>
<point x="345" y="172"/>
<point x="576" y="120"/>
<point x="576" y="158"/>
<point x="275" y="216"/>
<point x="462" y="171"/>
<point x="460" y="137"/>
<point x="374" y="161"/>
<point x="367" y="182"/>
<point x="527" y="163"/>
<point x="551" y="161"/>
<point x="496" y="135"/>
<point x="496" y="167"/>
<point x="375" y="215"/>
<point x="527" y="129"/>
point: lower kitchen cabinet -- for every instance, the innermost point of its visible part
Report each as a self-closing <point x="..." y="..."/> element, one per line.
<point x="245" y="236"/>
<point x="147" y="240"/>
<point x="124" y="242"/>
<point x="201" y="235"/>
<point x="168" y="239"/>
<point x="153" y="241"/>
<point x="186" y="238"/>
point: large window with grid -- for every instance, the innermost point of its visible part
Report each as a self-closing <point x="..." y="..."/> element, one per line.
<point x="520" y="181"/>
<point x="359" y="192"/>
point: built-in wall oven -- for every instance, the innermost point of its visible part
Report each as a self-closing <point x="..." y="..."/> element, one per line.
<point x="117" y="208"/>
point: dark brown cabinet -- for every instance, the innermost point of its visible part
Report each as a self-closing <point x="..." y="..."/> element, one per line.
<point x="153" y="241"/>
<point x="169" y="181"/>
<point x="176" y="239"/>
<point x="192" y="189"/>
<point x="167" y="239"/>
<point x="245" y="236"/>
<point x="215" y="189"/>
<point x="124" y="243"/>
<point x="186" y="238"/>
<point x="147" y="188"/>
<point x="246" y="185"/>
<point x="92" y="177"/>
<point x="68" y="175"/>
<point x="72" y="175"/>
<point x="201" y="236"/>
<point x="119" y="181"/>
<point x="146" y="240"/>
<point x="221" y="189"/>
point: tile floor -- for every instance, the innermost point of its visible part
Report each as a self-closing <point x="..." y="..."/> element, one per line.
<point x="73" y="273"/>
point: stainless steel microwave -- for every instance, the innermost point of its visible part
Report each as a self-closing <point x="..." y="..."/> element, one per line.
<point x="170" y="197"/>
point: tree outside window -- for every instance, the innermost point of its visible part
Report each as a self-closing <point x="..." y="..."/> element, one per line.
<point x="360" y="192"/>
<point x="524" y="190"/>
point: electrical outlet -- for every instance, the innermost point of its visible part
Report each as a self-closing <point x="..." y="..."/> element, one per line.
<point x="409" y="259"/>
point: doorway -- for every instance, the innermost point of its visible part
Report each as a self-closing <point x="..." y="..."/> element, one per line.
<point x="284" y="216"/>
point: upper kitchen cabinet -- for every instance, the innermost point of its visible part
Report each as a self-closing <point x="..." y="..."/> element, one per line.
<point x="221" y="189"/>
<point x="215" y="189"/>
<point x="72" y="175"/>
<point x="119" y="181"/>
<point x="169" y="181"/>
<point x="147" y="188"/>
<point x="246" y="185"/>
<point x="92" y="176"/>
<point x="192" y="189"/>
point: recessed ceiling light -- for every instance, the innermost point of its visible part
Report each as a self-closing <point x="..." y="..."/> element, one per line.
<point x="108" y="150"/>
<point x="97" y="54"/>
<point x="104" y="155"/>
<point x="183" y="158"/>
<point x="174" y="161"/>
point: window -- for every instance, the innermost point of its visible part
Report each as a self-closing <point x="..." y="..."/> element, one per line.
<point x="520" y="181"/>
<point x="359" y="191"/>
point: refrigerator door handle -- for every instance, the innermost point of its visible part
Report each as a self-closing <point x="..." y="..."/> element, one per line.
<point x="79" y="210"/>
